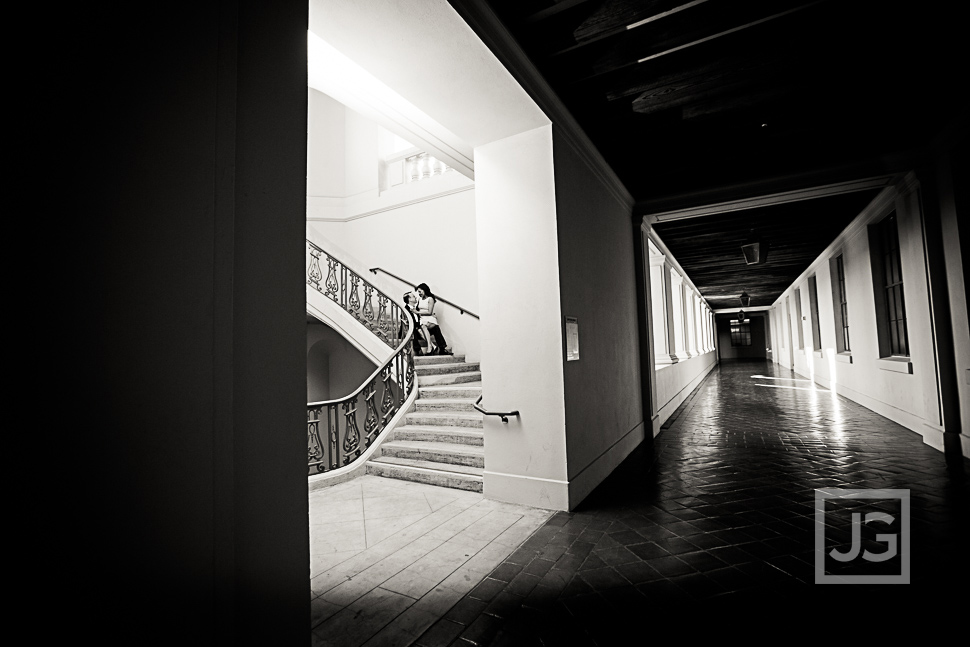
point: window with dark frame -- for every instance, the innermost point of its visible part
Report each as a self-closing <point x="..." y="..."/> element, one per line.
<point x="841" y="305"/>
<point x="893" y="278"/>
<point x="740" y="333"/>
<point x="813" y="306"/>
<point x="798" y="318"/>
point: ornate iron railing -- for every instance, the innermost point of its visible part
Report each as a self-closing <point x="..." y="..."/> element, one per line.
<point x="339" y="431"/>
<point x="354" y="294"/>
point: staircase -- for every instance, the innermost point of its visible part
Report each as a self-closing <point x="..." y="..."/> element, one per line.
<point x="441" y="441"/>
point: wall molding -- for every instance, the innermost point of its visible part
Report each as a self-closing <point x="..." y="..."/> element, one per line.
<point x="399" y="205"/>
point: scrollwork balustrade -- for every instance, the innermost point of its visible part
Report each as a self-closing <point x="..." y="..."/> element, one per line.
<point x="334" y="437"/>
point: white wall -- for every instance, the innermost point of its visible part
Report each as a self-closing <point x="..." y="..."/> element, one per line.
<point x="422" y="231"/>
<point x="903" y="391"/>
<point x="521" y="338"/>
<point x="597" y="284"/>
<point x="432" y="242"/>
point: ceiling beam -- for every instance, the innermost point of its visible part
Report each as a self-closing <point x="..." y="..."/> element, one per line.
<point x="549" y="12"/>
<point x="727" y="31"/>
<point x="784" y="197"/>
<point x="623" y="27"/>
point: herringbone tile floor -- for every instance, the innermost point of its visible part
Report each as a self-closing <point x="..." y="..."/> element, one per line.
<point x="711" y="529"/>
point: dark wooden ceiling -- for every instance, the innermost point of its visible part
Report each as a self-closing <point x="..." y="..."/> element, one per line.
<point x="693" y="102"/>
<point x="683" y="95"/>
<point x="795" y="234"/>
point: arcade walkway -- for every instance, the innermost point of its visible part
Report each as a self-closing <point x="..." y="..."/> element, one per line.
<point x="710" y="532"/>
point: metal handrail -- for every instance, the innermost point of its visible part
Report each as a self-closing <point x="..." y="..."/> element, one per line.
<point x="334" y="438"/>
<point x="464" y="311"/>
<point x="501" y="414"/>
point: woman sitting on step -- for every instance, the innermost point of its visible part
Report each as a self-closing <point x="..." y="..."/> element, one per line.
<point x="429" y="321"/>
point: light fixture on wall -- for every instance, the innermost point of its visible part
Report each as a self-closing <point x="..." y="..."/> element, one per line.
<point x="754" y="249"/>
<point x="740" y="316"/>
<point x="745" y="300"/>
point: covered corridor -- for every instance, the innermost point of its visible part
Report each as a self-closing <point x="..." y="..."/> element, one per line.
<point x="714" y="523"/>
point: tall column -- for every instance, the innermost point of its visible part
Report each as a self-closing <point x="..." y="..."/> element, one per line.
<point x="515" y="204"/>
<point x="676" y="316"/>
<point x="659" y="306"/>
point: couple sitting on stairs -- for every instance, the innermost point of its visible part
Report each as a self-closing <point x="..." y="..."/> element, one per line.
<point x="421" y="308"/>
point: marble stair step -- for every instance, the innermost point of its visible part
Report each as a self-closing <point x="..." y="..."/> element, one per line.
<point x="446" y="404"/>
<point x="458" y="391"/>
<point x="436" y="452"/>
<point x="431" y="360"/>
<point x="449" y="378"/>
<point x="456" y="419"/>
<point x="440" y="369"/>
<point x="460" y="477"/>
<point x="432" y="433"/>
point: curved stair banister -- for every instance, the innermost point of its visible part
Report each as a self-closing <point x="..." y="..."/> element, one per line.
<point x="462" y="310"/>
<point x="339" y="431"/>
<point x="354" y="294"/>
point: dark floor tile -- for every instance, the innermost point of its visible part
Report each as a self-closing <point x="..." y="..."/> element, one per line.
<point x="626" y="537"/>
<point x="603" y="578"/>
<point x="670" y="566"/>
<point x="487" y="589"/>
<point x="505" y="605"/>
<point x="580" y="548"/>
<point x="702" y="561"/>
<point x="732" y="555"/>
<point x="522" y="556"/>
<point x="655" y="533"/>
<point x="539" y="566"/>
<point x="523" y="583"/>
<point x="577" y="586"/>
<point x="616" y="556"/>
<point x="592" y="562"/>
<point x="676" y="545"/>
<point x="638" y="572"/>
<point x="505" y="571"/>
<point x="570" y="562"/>
<point x="466" y="610"/>
<point x="648" y="550"/>
<point x="551" y="552"/>
<point x="440" y="634"/>
<point x="482" y="630"/>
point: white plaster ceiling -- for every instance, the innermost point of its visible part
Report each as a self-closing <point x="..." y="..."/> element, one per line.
<point x="424" y="51"/>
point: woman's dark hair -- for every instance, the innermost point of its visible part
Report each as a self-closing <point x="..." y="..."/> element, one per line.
<point x="427" y="290"/>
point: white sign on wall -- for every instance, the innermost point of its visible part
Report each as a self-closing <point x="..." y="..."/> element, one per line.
<point x="572" y="339"/>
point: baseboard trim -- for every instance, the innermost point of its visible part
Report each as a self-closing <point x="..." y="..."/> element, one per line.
<point x="668" y="409"/>
<point x="914" y="423"/>
<point x="550" y="494"/>
<point x="603" y="465"/>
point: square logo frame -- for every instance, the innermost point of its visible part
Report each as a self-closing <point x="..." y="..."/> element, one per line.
<point x="824" y="494"/>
